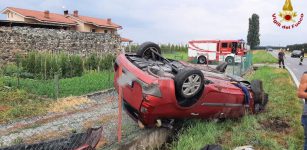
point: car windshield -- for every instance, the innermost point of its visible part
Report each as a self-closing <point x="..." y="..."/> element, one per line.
<point x="296" y="51"/>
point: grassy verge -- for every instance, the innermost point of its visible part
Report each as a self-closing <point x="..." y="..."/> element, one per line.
<point x="177" y="56"/>
<point x="262" y="56"/>
<point x="277" y="128"/>
<point x="89" y="82"/>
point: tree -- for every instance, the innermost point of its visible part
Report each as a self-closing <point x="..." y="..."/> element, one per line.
<point x="253" y="31"/>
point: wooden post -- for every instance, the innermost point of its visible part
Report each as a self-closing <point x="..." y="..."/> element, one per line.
<point x="45" y="67"/>
<point x="129" y="47"/>
<point x="56" y="85"/>
<point x="119" y="126"/>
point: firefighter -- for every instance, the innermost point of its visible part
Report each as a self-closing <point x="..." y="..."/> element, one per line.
<point x="302" y="57"/>
<point x="302" y="93"/>
<point x="281" y="58"/>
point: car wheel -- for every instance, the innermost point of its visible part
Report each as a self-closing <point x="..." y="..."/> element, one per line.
<point x="229" y="60"/>
<point x="189" y="83"/>
<point x="146" y="50"/>
<point x="202" y="60"/>
<point x="221" y="67"/>
<point x="257" y="88"/>
<point x="260" y="97"/>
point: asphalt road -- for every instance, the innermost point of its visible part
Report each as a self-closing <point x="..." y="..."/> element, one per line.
<point x="293" y="65"/>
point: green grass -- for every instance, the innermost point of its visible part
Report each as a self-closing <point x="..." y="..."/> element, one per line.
<point x="89" y="82"/>
<point x="15" y="104"/>
<point x="177" y="56"/>
<point x="262" y="56"/>
<point x="257" y="130"/>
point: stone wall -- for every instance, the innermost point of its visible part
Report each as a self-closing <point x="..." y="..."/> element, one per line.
<point x="24" y="39"/>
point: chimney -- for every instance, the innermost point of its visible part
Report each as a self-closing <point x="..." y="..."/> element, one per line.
<point x="109" y="21"/>
<point x="46" y="14"/>
<point x="65" y="12"/>
<point x="76" y="13"/>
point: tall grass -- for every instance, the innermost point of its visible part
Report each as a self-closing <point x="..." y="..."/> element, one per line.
<point x="46" y="65"/>
<point x="89" y="82"/>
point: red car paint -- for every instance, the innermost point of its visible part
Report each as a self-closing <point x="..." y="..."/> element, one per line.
<point x="220" y="99"/>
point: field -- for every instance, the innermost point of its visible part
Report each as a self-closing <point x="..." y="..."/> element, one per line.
<point x="33" y="97"/>
<point x="87" y="83"/>
<point x="262" y="56"/>
<point x="277" y="128"/>
<point x="177" y="56"/>
<point x="16" y="104"/>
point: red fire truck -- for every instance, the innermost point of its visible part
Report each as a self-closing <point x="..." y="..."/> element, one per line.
<point x="205" y="51"/>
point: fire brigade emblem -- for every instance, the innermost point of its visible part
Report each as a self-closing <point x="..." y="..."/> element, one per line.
<point x="288" y="18"/>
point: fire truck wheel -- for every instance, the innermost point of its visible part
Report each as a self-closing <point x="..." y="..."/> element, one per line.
<point x="189" y="83"/>
<point x="229" y="60"/>
<point x="145" y="50"/>
<point x="202" y="60"/>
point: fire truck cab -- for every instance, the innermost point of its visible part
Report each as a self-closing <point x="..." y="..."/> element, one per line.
<point x="230" y="51"/>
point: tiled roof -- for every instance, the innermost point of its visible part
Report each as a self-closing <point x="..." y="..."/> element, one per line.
<point x="125" y="40"/>
<point x="39" y="15"/>
<point x="97" y="22"/>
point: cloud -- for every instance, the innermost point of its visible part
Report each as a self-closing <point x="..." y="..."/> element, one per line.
<point x="178" y="21"/>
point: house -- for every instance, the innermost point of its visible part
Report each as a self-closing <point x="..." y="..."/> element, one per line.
<point x="62" y="21"/>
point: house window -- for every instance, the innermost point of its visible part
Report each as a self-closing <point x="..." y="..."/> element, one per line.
<point x="93" y="30"/>
<point x="224" y="45"/>
<point x="105" y="31"/>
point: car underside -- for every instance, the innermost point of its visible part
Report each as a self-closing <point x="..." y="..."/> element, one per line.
<point x="156" y="90"/>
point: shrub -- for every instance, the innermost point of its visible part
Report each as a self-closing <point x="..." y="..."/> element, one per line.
<point x="10" y="70"/>
<point x="92" y="62"/>
<point x="106" y="62"/>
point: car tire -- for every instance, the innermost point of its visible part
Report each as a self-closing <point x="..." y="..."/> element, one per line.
<point x="257" y="88"/>
<point x="229" y="60"/>
<point x="189" y="83"/>
<point x="202" y="60"/>
<point x="222" y="67"/>
<point x="145" y="50"/>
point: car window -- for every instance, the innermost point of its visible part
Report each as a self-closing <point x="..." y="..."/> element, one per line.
<point x="224" y="45"/>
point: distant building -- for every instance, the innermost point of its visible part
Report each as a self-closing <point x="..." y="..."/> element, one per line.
<point x="25" y="17"/>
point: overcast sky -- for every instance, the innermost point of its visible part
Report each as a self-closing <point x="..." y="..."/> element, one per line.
<point x="178" y="21"/>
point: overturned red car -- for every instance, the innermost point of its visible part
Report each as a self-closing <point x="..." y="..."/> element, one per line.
<point x="156" y="91"/>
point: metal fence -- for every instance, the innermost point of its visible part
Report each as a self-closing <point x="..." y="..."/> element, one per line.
<point x="240" y="68"/>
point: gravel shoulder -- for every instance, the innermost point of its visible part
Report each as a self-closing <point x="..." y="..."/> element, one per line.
<point x="101" y="110"/>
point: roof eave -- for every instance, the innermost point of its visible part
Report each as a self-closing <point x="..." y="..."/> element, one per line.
<point x="45" y="21"/>
<point x="97" y="25"/>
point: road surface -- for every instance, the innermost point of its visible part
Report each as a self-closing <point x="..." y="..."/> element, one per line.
<point x="293" y="65"/>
